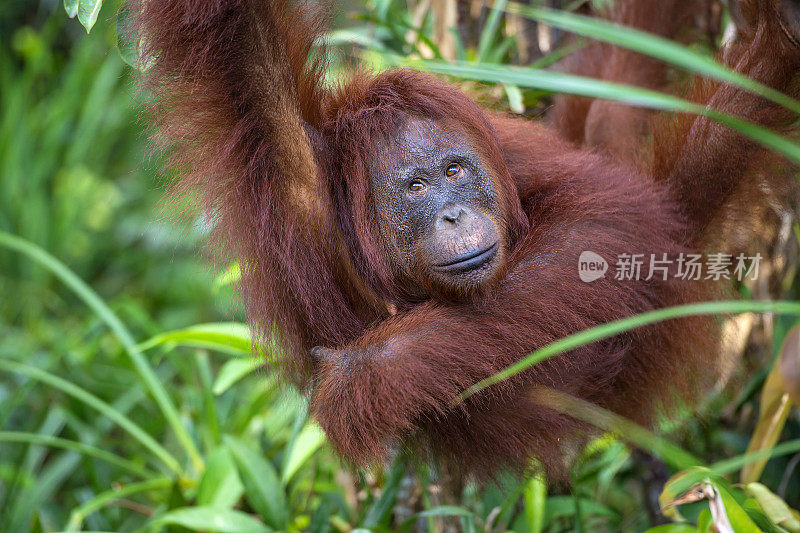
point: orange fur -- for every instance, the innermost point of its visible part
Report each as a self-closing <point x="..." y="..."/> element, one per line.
<point x="283" y="165"/>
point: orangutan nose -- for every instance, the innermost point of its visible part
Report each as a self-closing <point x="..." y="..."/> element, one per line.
<point x="451" y="215"/>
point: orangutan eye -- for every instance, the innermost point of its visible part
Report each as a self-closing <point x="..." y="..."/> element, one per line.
<point x="417" y="187"/>
<point x="453" y="170"/>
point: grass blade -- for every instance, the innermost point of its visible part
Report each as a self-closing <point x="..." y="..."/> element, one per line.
<point x="650" y="45"/>
<point x="489" y="30"/>
<point x="77" y="516"/>
<point x="93" y="401"/>
<point x="75" y="446"/>
<point x="726" y="466"/>
<point x="97" y="305"/>
<point x="609" y="421"/>
<point x="560" y="82"/>
<point x="604" y="331"/>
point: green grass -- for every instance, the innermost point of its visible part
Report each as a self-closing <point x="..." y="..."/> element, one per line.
<point x="129" y="400"/>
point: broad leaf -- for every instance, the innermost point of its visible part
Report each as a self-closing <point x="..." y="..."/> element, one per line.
<point x="88" y="11"/>
<point x="308" y="441"/>
<point x="71" y="7"/>
<point x="264" y="490"/>
<point x="232" y="371"/>
<point x="213" y="520"/>
<point x="774" y="507"/>
<point x="220" y="485"/>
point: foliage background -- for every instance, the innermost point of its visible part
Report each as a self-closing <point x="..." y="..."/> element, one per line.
<point x="182" y="430"/>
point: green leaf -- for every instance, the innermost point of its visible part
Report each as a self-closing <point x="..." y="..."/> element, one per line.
<point x="535" y="497"/>
<point x="127" y="44"/>
<point x="308" y="441"/>
<point x="264" y="490"/>
<point x="611" y="329"/>
<point x="704" y="522"/>
<point x="672" y="528"/>
<point x="77" y="516"/>
<point x="565" y="507"/>
<point x="490" y="29"/>
<point x="379" y="512"/>
<point x="442" y="510"/>
<point x="754" y="511"/>
<point x="651" y="45"/>
<point x="732" y="464"/>
<point x="674" y="492"/>
<point x="232" y="371"/>
<point x="220" y="485"/>
<point x="226" y="337"/>
<point x="71" y="7"/>
<point x="774" y="507"/>
<point x="738" y="518"/>
<point x="211" y="519"/>
<point x="93" y="401"/>
<point x="88" y="11"/>
<point x="75" y="446"/>
<point x="361" y="36"/>
<point x="561" y="82"/>
<point x="609" y="421"/>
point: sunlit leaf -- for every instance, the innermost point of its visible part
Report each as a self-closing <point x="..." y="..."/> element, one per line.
<point x="756" y="514"/>
<point x="535" y="497"/>
<point x="88" y="11"/>
<point x="71" y="7"/>
<point x="226" y="337"/>
<point x="232" y="371"/>
<point x="726" y="510"/>
<point x="211" y="519"/>
<point x="220" y="485"/>
<point x="774" y="507"/>
<point x="231" y="275"/>
<point x="310" y="439"/>
<point x="774" y="408"/>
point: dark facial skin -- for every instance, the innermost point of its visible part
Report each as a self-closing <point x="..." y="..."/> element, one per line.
<point x="437" y="208"/>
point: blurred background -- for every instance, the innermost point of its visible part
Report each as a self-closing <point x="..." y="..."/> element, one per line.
<point x="128" y="397"/>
